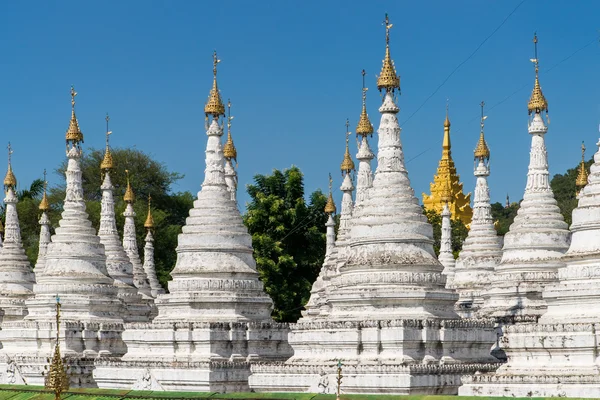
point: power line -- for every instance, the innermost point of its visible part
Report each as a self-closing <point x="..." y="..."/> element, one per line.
<point x="465" y="61"/>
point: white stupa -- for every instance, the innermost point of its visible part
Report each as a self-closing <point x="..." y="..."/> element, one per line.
<point x="482" y="249"/>
<point x="149" y="267"/>
<point x="230" y="154"/>
<point x="391" y="322"/>
<point x="45" y="235"/>
<point x="446" y="256"/>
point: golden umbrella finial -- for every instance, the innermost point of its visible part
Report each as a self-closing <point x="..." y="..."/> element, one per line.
<point x="364" y="126"/>
<point x="214" y="106"/>
<point x="330" y="205"/>
<point x="582" y="176"/>
<point x="56" y="378"/>
<point x="482" y="151"/>
<point x="45" y="204"/>
<point x="347" y="163"/>
<point x="107" y="161"/>
<point x="10" y="181"/>
<point x="149" y="224"/>
<point x="74" y="134"/>
<point x="229" y="150"/>
<point x="129" y="197"/>
<point x="388" y="79"/>
<point x="537" y="102"/>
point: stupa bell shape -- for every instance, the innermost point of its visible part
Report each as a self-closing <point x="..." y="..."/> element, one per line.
<point x="446" y="257"/>
<point x="215" y="276"/>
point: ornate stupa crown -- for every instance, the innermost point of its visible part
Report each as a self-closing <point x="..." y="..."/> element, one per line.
<point x="74" y="134"/>
<point x="149" y="224"/>
<point x="107" y="161"/>
<point x="330" y="205"/>
<point x="214" y="106"/>
<point x="229" y="150"/>
<point x="537" y="101"/>
<point x="482" y="151"/>
<point x="45" y="204"/>
<point x="56" y="378"/>
<point x="364" y="126"/>
<point x="582" y="176"/>
<point x="129" y="196"/>
<point x="347" y="163"/>
<point x="446" y="193"/>
<point x="10" y="181"/>
<point x="388" y="79"/>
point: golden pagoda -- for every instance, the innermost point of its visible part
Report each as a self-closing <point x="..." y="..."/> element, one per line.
<point x="582" y="175"/>
<point x="330" y="205"/>
<point x="459" y="203"/>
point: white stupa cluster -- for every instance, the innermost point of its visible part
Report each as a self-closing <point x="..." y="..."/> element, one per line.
<point x="516" y="318"/>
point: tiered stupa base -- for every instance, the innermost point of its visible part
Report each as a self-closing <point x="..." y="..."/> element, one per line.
<point x="545" y="360"/>
<point x="394" y="356"/>
<point x="193" y="356"/>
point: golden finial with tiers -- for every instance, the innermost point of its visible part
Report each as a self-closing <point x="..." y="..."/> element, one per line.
<point x="364" y="126"/>
<point x="446" y="193"/>
<point x="56" y="378"/>
<point x="214" y="106"/>
<point x="347" y="163"/>
<point x="229" y="151"/>
<point x="330" y="205"/>
<point x="482" y="151"/>
<point x="107" y="161"/>
<point x="45" y="204"/>
<point x="582" y="176"/>
<point x="10" y="181"/>
<point x="537" y="102"/>
<point x="129" y="197"/>
<point x="149" y="224"/>
<point x="74" y="134"/>
<point x="388" y="79"/>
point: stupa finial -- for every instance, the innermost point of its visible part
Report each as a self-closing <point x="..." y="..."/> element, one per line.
<point x="347" y="163"/>
<point x="9" y="180"/>
<point x="364" y="126"/>
<point x="149" y="224"/>
<point x="482" y="151"/>
<point x="447" y="121"/>
<point x="129" y="196"/>
<point x="229" y="150"/>
<point x="74" y="135"/>
<point x="45" y="204"/>
<point x="582" y="176"/>
<point x="388" y="79"/>
<point x="57" y="379"/>
<point x="537" y="102"/>
<point x="330" y="205"/>
<point x="214" y="106"/>
<point x="107" y="161"/>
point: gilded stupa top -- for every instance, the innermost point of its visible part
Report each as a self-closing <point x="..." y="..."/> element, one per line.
<point x="330" y="205"/>
<point x="107" y="161"/>
<point x="149" y="224"/>
<point x="388" y="79"/>
<point x="129" y="197"/>
<point x="347" y="163"/>
<point x="482" y="151"/>
<point x="214" y="106"/>
<point x="45" y="204"/>
<point x="229" y="150"/>
<point x="446" y="192"/>
<point x="74" y="134"/>
<point x="56" y="378"/>
<point x="10" y="181"/>
<point x="582" y="176"/>
<point x="364" y="126"/>
<point x="537" y="102"/>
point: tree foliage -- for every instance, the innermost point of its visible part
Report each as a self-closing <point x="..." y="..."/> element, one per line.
<point x="288" y="235"/>
<point x="563" y="186"/>
<point x="504" y="216"/>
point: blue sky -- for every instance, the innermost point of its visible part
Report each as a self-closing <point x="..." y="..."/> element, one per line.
<point x="292" y="71"/>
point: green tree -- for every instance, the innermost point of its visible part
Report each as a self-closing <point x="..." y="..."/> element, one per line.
<point x="563" y="186"/>
<point x="459" y="231"/>
<point x="504" y="216"/>
<point x="288" y="235"/>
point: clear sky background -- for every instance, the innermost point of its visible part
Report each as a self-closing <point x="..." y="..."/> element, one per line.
<point x="292" y="71"/>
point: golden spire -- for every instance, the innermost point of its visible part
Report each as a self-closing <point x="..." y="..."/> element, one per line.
<point x="74" y="133"/>
<point x="347" y="163"/>
<point x="482" y="151"/>
<point x="214" y="106"/>
<point x="364" y="126"/>
<point x="229" y="151"/>
<point x="9" y="180"/>
<point x="446" y="145"/>
<point x="149" y="224"/>
<point x="537" y="102"/>
<point x="446" y="194"/>
<point x="129" y="197"/>
<point x="447" y="120"/>
<point x="582" y="176"/>
<point x="57" y="379"/>
<point x="388" y="79"/>
<point x="44" y="204"/>
<point x="107" y="161"/>
<point x="330" y="205"/>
